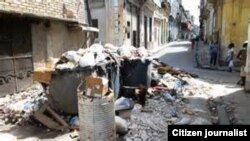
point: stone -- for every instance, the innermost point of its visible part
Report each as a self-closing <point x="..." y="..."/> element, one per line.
<point x="121" y="125"/>
<point x="200" y="121"/>
<point x="144" y="135"/>
<point x="184" y="121"/>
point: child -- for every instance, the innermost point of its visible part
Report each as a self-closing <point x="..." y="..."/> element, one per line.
<point x="230" y="57"/>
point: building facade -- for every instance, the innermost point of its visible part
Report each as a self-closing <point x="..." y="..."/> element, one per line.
<point x="33" y="32"/>
<point x="174" y="19"/>
<point x="154" y="23"/>
<point x="225" y="21"/>
<point x="131" y="22"/>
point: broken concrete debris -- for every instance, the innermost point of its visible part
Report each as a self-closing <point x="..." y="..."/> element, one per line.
<point x="20" y="106"/>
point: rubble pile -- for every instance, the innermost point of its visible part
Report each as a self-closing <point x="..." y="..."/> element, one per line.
<point x="18" y="107"/>
<point x="167" y="103"/>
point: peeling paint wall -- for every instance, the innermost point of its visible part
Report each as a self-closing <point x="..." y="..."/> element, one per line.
<point x="234" y="23"/>
<point x="131" y="24"/>
<point x="122" y="22"/>
<point x="51" y="42"/>
<point x="98" y="12"/>
<point x="247" y="68"/>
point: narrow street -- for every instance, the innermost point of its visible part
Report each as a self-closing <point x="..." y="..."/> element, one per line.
<point x="224" y="89"/>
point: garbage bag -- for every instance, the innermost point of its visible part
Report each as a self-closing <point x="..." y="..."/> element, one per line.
<point x="68" y="65"/>
<point x="81" y="51"/>
<point x="125" y="51"/>
<point x="123" y="103"/>
<point x="88" y="59"/>
<point x="111" y="47"/>
<point x="96" y="48"/>
<point x="74" y="121"/>
<point x="72" y="56"/>
<point x="142" y="52"/>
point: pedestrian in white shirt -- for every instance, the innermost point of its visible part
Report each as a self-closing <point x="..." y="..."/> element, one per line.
<point x="230" y="57"/>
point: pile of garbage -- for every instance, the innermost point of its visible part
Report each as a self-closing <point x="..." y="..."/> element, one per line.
<point x="149" y="110"/>
<point x="167" y="103"/>
<point x="97" y="53"/>
<point x="18" y="107"/>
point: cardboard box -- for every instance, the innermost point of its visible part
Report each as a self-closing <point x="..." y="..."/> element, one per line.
<point x="96" y="86"/>
<point x="43" y="75"/>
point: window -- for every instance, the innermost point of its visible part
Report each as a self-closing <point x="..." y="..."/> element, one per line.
<point x="128" y="29"/>
<point x="150" y="29"/>
<point x="95" y="23"/>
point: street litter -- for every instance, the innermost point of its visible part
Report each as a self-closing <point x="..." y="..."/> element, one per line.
<point x="123" y="103"/>
<point x="151" y="99"/>
<point x="18" y="107"/>
<point x="167" y="97"/>
<point x="74" y="121"/>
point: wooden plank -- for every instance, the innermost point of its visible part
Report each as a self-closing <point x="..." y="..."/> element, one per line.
<point x="48" y="122"/>
<point x="57" y="117"/>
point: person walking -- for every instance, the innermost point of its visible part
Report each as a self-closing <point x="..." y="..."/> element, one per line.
<point x="230" y="57"/>
<point x="214" y="49"/>
<point x="242" y="56"/>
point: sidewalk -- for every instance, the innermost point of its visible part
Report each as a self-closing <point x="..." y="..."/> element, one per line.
<point x="169" y="44"/>
<point x="203" y="59"/>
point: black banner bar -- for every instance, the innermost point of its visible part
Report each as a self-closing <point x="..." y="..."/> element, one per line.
<point x="208" y="132"/>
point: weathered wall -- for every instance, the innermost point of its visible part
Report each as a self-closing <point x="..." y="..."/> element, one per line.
<point x="131" y="17"/>
<point x="157" y="33"/>
<point x="47" y="8"/>
<point x="98" y="11"/>
<point x="100" y="15"/>
<point x="234" y="24"/>
<point x="52" y="41"/>
<point x="247" y="85"/>
<point x="15" y="55"/>
<point x="39" y="44"/>
<point x="110" y="15"/>
<point x="149" y="14"/>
